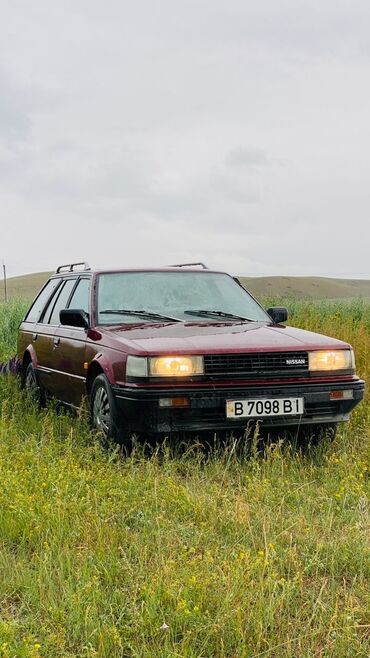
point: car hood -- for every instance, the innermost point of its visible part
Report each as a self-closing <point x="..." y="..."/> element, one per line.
<point x="212" y="338"/>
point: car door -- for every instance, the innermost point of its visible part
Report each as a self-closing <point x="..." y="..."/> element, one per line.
<point x="70" y="347"/>
<point x="36" y="334"/>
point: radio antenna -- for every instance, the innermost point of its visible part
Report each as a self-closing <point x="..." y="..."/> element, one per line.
<point x="5" y="282"/>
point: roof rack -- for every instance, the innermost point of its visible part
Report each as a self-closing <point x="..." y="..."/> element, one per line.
<point x="70" y="267"/>
<point x="202" y="265"/>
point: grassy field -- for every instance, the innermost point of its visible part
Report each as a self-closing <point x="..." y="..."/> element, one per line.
<point x="183" y="555"/>
<point x="293" y="287"/>
<point x="307" y="287"/>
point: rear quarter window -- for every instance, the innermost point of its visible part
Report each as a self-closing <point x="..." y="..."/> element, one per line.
<point x="41" y="300"/>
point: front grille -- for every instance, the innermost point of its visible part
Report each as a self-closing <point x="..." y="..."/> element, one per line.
<point x="259" y="364"/>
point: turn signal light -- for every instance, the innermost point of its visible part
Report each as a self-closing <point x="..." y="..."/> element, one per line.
<point x="341" y="395"/>
<point x="174" y="402"/>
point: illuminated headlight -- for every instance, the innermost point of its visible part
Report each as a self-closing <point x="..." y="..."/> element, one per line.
<point x="175" y="366"/>
<point x="328" y="360"/>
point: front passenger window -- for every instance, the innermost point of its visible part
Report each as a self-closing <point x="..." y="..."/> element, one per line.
<point x="81" y="295"/>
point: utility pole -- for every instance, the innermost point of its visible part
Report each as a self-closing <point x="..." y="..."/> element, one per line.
<point x="5" y="287"/>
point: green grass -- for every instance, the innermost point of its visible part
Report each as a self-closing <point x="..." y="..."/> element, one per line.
<point x="182" y="553"/>
<point x="11" y="315"/>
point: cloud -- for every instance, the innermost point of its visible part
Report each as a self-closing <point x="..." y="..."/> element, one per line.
<point x="15" y="122"/>
<point x="247" y="157"/>
<point x="230" y="132"/>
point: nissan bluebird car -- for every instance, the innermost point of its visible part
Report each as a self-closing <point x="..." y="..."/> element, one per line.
<point x="180" y="349"/>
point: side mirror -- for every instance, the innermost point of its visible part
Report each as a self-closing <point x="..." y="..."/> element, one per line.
<point x="278" y="314"/>
<point x="74" y="317"/>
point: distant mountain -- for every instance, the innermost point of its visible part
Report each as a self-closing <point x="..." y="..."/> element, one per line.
<point x="28" y="285"/>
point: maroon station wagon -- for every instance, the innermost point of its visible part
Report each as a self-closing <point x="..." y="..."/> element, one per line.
<point x="178" y="349"/>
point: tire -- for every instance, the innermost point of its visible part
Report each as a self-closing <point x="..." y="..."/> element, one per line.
<point x="32" y="386"/>
<point x="104" y="417"/>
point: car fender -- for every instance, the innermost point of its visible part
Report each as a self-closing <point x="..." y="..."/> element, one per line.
<point x="100" y="361"/>
<point x="32" y="352"/>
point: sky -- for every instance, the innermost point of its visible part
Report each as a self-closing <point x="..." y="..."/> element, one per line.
<point x="148" y="133"/>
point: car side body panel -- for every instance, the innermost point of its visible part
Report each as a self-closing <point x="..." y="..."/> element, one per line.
<point x="69" y="374"/>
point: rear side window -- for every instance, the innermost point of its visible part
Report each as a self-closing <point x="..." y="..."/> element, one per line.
<point x="38" y="306"/>
<point x="52" y="316"/>
<point x="81" y="296"/>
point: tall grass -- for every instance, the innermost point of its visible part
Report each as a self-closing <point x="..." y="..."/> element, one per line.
<point x="11" y="315"/>
<point x="188" y="554"/>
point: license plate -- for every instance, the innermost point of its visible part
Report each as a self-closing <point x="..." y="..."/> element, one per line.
<point x="264" y="407"/>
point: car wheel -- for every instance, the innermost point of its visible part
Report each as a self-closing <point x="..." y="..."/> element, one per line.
<point x="103" y="411"/>
<point x="32" y="386"/>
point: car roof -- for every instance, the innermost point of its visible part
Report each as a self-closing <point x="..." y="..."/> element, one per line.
<point x="132" y="270"/>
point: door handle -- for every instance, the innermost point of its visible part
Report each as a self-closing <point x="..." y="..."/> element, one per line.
<point x="56" y="342"/>
<point x="34" y="337"/>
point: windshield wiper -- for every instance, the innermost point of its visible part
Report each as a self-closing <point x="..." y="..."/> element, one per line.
<point x="219" y="314"/>
<point x="139" y="313"/>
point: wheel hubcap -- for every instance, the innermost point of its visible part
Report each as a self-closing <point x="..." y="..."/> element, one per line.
<point x="101" y="410"/>
<point x="31" y="380"/>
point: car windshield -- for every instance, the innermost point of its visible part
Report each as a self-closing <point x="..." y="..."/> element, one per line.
<point x="186" y="296"/>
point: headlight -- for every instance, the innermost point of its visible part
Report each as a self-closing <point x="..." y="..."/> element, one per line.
<point x="328" y="360"/>
<point x="137" y="366"/>
<point x="175" y="366"/>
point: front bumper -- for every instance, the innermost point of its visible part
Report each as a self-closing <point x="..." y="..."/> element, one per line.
<point x="140" y="410"/>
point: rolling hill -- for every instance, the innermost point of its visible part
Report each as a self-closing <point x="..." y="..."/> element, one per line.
<point x="307" y="287"/>
<point x="28" y="285"/>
